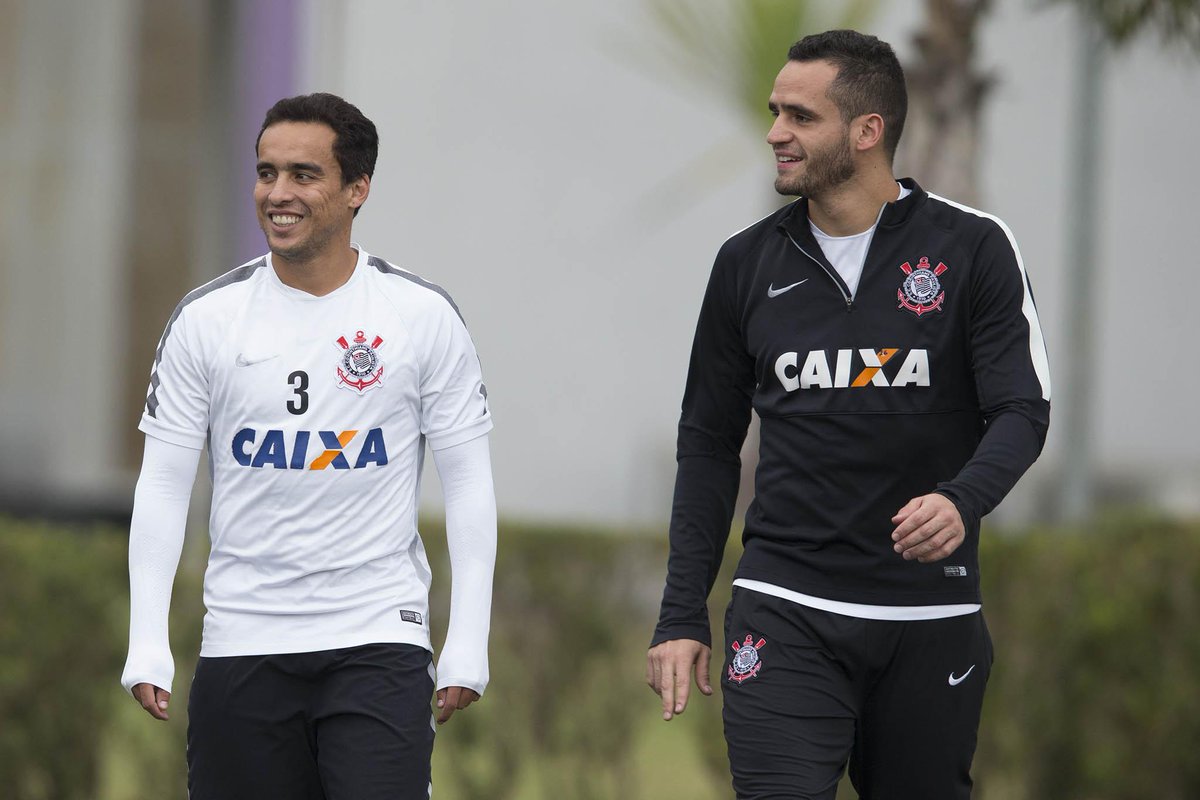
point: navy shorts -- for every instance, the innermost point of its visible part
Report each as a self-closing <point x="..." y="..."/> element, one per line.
<point x="347" y="724"/>
<point x="806" y="691"/>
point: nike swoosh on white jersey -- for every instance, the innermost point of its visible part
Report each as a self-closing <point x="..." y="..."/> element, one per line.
<point x="956" y="681"/>
<point x="773" y="292"/>
<point x="244" y="360"/>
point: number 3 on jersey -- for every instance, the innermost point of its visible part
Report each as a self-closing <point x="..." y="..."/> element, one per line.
<point x="298" y="380"/>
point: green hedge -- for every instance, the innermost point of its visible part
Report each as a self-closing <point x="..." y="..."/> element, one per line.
<point x="67" y="729"/>
<point x="59" y="604"/>
<point x="1095" y="692"/>
<point x="1093" y="695"/>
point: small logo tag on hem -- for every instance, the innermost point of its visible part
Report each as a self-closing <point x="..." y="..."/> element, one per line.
<point x="954" y="572"/>
<point x="411" y="616"/>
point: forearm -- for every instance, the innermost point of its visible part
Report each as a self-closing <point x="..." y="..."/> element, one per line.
<point x="1010" y="444"/>
<point x="702" y="510"/>
<point x="466" y="475"/>
<point x="1012" y="379"/>
<point x="156" y="535"/>
<point x="715" y="415"/>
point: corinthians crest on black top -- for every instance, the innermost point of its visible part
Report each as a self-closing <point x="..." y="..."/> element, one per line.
<point x="360" y="367"/>
<point x="921" y="291"/>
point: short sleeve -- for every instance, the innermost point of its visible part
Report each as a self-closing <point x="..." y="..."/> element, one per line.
<point x="177" y="401"/>
<point x="454" y="407"/>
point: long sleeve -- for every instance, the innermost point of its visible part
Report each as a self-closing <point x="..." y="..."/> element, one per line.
<point x="156" y="533"/>
<point x="712" y="428"/>
<point x="1012" y="379"/>
<point x="466" y="475"/>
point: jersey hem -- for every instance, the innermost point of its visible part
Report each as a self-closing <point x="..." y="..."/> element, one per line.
<point x="311" y="644"/>
<point x="861" y="610"/>
<point x="894" y="597"/>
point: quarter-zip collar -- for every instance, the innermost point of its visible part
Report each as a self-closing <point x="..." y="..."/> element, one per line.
<point x="794" y="225"/>
<point x="896" y="213"/>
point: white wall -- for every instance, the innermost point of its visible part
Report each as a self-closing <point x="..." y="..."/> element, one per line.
<point x="1148" y="284"/>
<point x="520" y="155"/>
<point x="540" y="163"/>
<point x="64" y="154"/>
<point x="554" y="179"/>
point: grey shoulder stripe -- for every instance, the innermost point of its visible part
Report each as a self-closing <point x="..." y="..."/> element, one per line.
<point x="233" y="276"/>
<point x="388" y="269"/>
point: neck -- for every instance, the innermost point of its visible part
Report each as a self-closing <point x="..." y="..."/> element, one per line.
<point x="853" y="207"/>
<point x="320" y="274"/>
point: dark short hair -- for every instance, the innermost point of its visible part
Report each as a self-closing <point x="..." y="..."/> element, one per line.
<point x="355" y="140"/>
<point x="869" y="80"/>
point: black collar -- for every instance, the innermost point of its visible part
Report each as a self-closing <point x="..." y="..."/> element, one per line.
<point x="795" y="221"/>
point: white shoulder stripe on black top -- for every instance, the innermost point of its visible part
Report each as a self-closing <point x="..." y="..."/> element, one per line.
<point x="1037" y="345"/>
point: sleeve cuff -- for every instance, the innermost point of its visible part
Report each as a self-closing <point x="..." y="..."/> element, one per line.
<point x="473" y="684"/>
<point x="695" y="631"/>
<point x="152" y="670"/>
<point x="456" y="436"/>
<point x="172" y="435"/>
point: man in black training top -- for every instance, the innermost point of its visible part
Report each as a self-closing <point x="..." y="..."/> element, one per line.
<point x="889" y="342"/>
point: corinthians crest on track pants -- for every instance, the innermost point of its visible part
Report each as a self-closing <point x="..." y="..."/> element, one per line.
<point x="807" y="690"/>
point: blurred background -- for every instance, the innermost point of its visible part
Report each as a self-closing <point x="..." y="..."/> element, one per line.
<point x="567" y="172"/>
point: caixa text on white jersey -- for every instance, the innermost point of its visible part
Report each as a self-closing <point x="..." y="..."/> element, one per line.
<point x="290" y="450"/>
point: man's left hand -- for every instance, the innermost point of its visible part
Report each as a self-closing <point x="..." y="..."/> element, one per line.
<point x="453" y="698"/>
<point x="928" y="529"/>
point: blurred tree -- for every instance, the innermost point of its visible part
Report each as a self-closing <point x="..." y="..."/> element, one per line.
<point x="1121" y="21"/>
<point x="736" y="47"/>
<point x="946" y="92"/>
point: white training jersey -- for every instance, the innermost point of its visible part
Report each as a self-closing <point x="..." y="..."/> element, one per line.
<point x="315" y="411"/>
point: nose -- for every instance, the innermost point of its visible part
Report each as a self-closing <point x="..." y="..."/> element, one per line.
<point x="281" y="191"/>
<point x="778" y="134"/>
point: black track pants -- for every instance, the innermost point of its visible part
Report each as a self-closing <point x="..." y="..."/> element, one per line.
<point x="807" y="690"/>
<point x="347" y="724"/>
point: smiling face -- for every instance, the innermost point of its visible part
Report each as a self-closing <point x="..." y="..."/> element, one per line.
<point x="303" y="206"/>
<point x="812" y="143"/>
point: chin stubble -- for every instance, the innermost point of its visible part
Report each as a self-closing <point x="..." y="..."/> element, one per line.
<point x="825" y="170"/>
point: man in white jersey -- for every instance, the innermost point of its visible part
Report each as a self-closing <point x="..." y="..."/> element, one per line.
<point x="315" y="375"/>
<point x="888" y="340"/>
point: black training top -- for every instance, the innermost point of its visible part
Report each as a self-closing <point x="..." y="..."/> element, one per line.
<point x="932" y="377"/>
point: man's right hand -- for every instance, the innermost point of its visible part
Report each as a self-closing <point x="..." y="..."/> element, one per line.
<point x="153" y="699"/>
<point x="669" y="669"/>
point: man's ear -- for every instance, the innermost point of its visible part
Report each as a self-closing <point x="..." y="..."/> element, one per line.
<point x="867" y="131"/>
<point x="359" y="189"/>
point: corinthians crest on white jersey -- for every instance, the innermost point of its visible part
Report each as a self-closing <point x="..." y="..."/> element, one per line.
<point x="360" y="367"/>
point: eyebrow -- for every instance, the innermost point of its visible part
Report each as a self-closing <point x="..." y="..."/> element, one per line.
<point x="295" y="166"/>
<point x="793" y="108"/>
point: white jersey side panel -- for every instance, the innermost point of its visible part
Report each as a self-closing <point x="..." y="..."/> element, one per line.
<point x="316" y="411"/>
